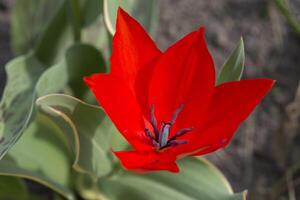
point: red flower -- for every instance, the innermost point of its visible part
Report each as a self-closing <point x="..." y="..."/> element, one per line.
<point x="166" y="104"/>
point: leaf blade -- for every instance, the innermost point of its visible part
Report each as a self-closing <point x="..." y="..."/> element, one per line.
<point x="13" y="188"/>
<point x="28" y="79"/>
<point x="89" y="126"/>
<point x="232" y="69"/>
<point x="197" y="180"/>
<point x="43" y="138"/>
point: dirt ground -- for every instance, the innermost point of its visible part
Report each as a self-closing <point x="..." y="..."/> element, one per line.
<point x="264" y="154"/>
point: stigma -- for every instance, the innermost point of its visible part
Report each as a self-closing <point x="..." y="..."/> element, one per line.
<point x="160" y="137"/>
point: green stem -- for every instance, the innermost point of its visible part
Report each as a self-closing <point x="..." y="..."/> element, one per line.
<point x="76" y="19"/>
<point x="285" y="11"/>
<point x="280" y="186"/>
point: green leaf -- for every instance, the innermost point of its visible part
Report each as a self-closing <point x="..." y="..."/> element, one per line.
<point x="198" y="179"/>
<point x="28" y="79"/>
<point x="51" y="32"/>
<point x="42" y="156"/>
<point x="16" y="104"/>
<point x="28" y="20"/>
<point x="56" y="38"/>
<point x="87" y="128"/>
<point x="232" y="69"/>
<point x="13" y="188"/>
<point x="83" y="60"/>
<point x="283" y="7"/>
<point x="119" y="143"/>
<point x="146" y="12"/>
<point x="98" y="36"/>
<point x="90" y="10"/>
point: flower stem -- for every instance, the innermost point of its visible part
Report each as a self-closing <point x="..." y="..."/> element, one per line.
<point x="76" y="19"/>
<point x="285" y="11"/>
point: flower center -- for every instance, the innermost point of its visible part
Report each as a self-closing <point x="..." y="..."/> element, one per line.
<point x="160" y="136"/>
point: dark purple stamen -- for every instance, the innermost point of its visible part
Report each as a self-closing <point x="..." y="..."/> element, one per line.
<point x="160" y="138"/>
<point x="178" y="142"/>
<point x="180" y="133"/>
<point x="149" y="135"/>
<point x="153" y="122"/>
<point x="175" y="114"/>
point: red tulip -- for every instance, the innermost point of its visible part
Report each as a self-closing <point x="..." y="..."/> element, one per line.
<point x="166" y="104"/>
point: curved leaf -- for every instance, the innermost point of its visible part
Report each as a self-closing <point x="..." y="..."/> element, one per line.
<point x="198" y="179"/>
<point x="28" y="79"/>
<point x="42" y="156"/>
<point x="145" y="12"/>
<point x="232" y="69"/>
<point x="82" y="60"/>
<point x="16" y="104"/>
<point x="88" y="129"/>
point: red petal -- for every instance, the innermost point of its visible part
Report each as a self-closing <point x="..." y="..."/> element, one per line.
<point x="147" y="161"/>
<point x="231" y="104"/>
<point x="132" y="47"/>
<point x="142" y="86"/>
<point x="121" y="106"/>
<point x="184" y="74"/>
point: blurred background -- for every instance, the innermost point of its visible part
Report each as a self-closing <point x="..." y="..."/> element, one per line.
<point x="264" y="154"/>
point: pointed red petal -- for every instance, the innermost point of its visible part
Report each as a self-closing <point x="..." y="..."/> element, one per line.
<point x="121" y="106"/>
<point x="185" y="75"/>
<point x="231" y="104"/>
<point x="147" y="161"/>
<point x="132" y="47"/>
